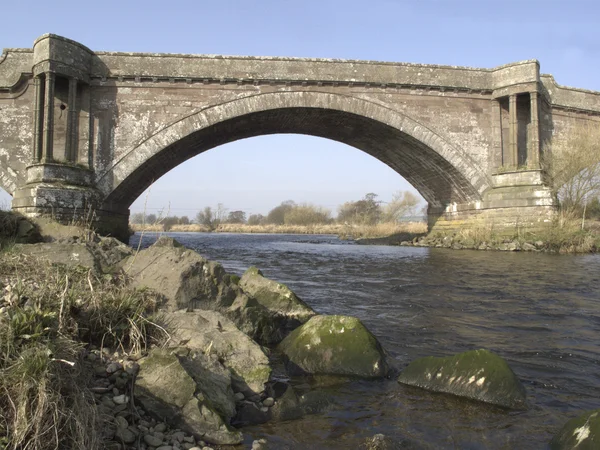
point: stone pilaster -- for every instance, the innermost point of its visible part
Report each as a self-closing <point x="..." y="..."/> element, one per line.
<point x="513" y="133"/>
<point x="70" y="144"/>
<point x="533" y="154"/>
<point x="38" y="119"/>
<point x="49" y="117"/>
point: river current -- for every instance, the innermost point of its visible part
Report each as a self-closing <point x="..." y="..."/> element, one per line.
<point x="541" y="312"/>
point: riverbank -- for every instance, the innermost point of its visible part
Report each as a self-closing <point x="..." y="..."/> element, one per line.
<point x="344" y="231"/>
<point x="567" y="237"/>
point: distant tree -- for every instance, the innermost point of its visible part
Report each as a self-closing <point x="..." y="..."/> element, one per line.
<point x="307" y="214"/>
<point x="184" y="220"/>
<point x="212" y="218"/>
<point x="236" y="217"/>
<point x="205" y="217"/>
<point x="277" y="215"/>
<point x="256" y="219"/>
<point x="403" y="204"/>
<point x="151" y="219"/>
<point x="364" y="212"/>
<point x="137" y="218"/>
<point x="169" y="221"/>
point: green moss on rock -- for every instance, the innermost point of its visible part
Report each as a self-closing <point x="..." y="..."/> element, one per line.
<point x="581" y="433"/>
<point x="477" y="374"/>
<point x="334" y="345"/>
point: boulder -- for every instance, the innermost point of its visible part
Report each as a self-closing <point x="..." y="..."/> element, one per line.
<point x="276" y="297"/>
<point x="182" y="391"/>
<point x="477" y="374"/>
<point x="334" y="345"/>
<point x="581" y="433"/>
<point x="186" y="279"/>
<point x="212" y="332"/>
<point x="259" y="323"/>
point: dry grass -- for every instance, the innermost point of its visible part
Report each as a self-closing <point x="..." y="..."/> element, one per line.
<point x="48" y="312"/>
<point x="384" y="230"/>
<point x="343" y="230"/>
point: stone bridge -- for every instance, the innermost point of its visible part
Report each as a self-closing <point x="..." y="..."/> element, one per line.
<point x="84" y="131"/>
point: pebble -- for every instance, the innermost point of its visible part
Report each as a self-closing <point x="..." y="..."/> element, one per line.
<point x="152" y="440"/>
<point x="113" y="367"/>
<point x="160" y="427"/>
<point x="259" y="444"/>
<point x="269" y="401"/>
<point x="125" y="435"/>
<point x="239" y="396"/>
<point x="120" y="399"/>
<point x="178" y="436"/>
<point x="164" y="447"/>
<point x="121" y="422"/>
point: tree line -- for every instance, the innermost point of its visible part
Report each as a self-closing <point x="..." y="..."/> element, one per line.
<point x="366" y="211"/>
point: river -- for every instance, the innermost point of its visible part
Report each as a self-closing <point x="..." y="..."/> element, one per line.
<point x="541" y="312"/>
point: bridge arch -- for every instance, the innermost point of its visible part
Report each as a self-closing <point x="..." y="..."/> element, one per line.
<point x="441" y="172"/>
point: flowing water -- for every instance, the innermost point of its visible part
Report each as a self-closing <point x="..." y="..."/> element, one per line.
<point x="540" y="312"/>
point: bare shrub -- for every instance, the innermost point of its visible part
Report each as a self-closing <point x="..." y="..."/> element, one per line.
<point x="572" y="164"/>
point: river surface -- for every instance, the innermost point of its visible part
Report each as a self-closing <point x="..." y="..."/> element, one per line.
<point x="541" y="312"/>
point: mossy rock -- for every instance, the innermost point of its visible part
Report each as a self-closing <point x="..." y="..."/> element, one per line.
<point x="334" y="345"/>
<point x="581" y="433"/>
<point x="476" y="374"/>
<point x="276" y="297"/>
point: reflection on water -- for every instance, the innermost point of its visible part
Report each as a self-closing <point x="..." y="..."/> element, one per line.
<point x="541" y="312"/>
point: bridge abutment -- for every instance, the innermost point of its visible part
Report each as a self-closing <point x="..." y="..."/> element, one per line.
<point x="518" y="202"/>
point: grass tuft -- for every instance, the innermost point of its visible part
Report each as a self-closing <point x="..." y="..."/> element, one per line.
<point x="48" y="314"/>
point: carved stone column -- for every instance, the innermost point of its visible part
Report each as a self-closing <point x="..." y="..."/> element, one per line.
<point x="70" y="143"/>
<point x="38" y="119"/>
<point x="533" y="154"/>
<point x="49" y="117"/>
<point x="513" y="133"/>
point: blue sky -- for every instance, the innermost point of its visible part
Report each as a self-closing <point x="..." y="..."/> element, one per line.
<point x="257" y="174"/>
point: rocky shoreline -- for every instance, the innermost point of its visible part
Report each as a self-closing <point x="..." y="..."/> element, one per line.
<point x="234" y="343"/>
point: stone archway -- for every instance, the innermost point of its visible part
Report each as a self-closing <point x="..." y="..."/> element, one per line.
<point x="440" y="171"/>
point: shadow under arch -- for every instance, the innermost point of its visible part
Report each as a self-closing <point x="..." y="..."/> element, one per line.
<point x="440" y="171"/>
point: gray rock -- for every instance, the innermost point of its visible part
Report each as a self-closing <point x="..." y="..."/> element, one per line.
<point x="193" y="392"/>
<point x="185" y="278"/>
<point x="268" y="402"/>
<point x="274" y="296"/>
<point x="478" y="374"/>
<point x="202" y="330"/>
<point x="198" y="415"/>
